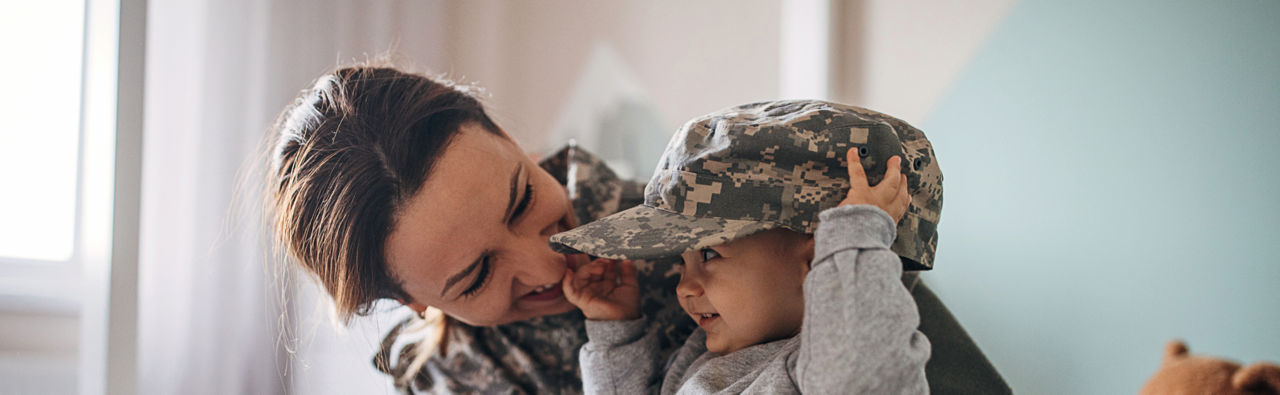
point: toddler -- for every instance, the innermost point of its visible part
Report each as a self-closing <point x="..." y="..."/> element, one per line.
<point x="791" y="268"/>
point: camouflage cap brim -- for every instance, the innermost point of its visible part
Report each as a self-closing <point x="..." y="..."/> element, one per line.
<point x="644" y="232"/>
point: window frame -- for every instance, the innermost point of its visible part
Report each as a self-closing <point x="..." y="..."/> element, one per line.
<point x="53" y="286"/>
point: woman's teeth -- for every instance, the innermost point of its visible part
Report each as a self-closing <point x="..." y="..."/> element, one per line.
<point x="543" y="293"/>
<point x="709" y="315"/>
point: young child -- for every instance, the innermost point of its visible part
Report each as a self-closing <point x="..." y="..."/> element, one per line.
<point x="788" y="268"/>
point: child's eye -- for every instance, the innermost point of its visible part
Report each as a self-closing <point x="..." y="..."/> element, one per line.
<point x="708" y="254"/>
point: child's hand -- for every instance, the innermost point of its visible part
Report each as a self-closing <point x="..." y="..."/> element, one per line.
<point x="890" y="194"/>
<point x="603" y="291"/>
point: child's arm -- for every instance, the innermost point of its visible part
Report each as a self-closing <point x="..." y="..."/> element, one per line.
<point x="859" y="333"/>
<point x="621" y="355"/>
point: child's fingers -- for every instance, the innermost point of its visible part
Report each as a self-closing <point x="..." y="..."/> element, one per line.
<point x="903" y="188"/>
<point x="904" y="199"/>
<point x="900" y="190"/>
<point x="583" y="276"/>
<point x="891" y="173"/>
<point x="610" y="271"/>
<point x="906" y="189"/>
<point x="576" y="260"/>
<point x="857" y="176"/>
<point x="888" y="188"/>
<point x="596" y="270"/>
<point x="629" y="274"/>
<point x="566" y="284"/>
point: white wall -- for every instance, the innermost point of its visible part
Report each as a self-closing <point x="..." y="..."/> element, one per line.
<point x="1109" y="174"/>
<point x="899" y="56"/>
<point x="691" y="57"/>
<point x="1110" y="186"/>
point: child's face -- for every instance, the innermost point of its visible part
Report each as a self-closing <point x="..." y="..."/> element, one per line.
<point x="748" y="291"/>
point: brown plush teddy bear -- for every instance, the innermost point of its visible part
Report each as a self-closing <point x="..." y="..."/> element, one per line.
<point x="1182" y="373"/>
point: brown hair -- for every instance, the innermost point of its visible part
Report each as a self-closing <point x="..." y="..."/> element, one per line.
<point x="345" y="157"/>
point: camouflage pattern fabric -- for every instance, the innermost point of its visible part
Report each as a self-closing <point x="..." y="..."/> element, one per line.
<point x="768" y="165"/>
<point x="538" y="355"/>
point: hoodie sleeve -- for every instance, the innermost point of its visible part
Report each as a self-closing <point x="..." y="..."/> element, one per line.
<point x="860" y="323"/>
<point x="620" y="357"/>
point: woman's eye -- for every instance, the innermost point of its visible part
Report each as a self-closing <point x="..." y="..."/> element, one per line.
<point x="708" y="254"/>
<point x="524" y="202"/>
<point x="482" y="277"/>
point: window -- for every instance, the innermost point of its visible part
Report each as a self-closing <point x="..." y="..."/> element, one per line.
<point x="73" y="67"/>
<point x="41" y="151"/>
<point x="40" y="129"/>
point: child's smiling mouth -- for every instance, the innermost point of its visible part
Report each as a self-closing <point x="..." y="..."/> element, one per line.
<point x="705" y="319"/>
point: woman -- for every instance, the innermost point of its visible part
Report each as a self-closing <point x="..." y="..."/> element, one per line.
<point x="390" y="185"/>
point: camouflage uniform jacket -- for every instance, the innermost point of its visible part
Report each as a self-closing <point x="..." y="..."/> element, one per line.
<point x="539" y="355"/>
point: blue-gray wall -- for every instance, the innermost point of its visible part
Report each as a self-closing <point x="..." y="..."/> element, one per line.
<point x="1111" y="184"/>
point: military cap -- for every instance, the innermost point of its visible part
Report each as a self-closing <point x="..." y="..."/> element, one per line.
<point x="767" y="165"/>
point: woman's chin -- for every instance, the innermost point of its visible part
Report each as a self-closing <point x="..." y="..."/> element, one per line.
<point x="561" y="308"/>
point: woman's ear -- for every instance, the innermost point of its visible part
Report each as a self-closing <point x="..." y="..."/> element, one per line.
<point x="416" y="307"/>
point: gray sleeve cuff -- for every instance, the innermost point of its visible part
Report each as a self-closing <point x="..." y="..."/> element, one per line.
<point x="612" y="333"/>
<point x="861" y="226"/>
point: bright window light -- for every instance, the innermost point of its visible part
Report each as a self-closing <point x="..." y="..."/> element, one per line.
<point x="40" y="128"/>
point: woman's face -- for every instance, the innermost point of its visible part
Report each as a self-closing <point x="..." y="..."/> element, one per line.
<point x="473" y="240"/>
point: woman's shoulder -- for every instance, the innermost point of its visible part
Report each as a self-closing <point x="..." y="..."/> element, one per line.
<point x="593" y="187"/>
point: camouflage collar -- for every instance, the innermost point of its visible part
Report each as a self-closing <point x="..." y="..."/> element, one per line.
<point x="594" y="189"/>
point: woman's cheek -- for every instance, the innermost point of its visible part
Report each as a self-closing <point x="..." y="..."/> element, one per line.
<point x="490" y="308"/>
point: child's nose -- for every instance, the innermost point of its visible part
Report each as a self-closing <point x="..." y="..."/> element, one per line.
<point x="688" y="286"/>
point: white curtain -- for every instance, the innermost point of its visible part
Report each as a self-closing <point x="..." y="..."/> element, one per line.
<point x="218" y="72"/>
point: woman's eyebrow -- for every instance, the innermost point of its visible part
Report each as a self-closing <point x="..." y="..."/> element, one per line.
<point x="460" y="275"/>
<point x="511" y="200"/>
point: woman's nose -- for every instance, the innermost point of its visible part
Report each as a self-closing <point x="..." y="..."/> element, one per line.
<point x="534" y="261"/>
<point x="553" y="228"/>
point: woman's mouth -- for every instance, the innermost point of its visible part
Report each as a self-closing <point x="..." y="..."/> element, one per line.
<point x="705" y="319"/>
<point x="544" y="293"/>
